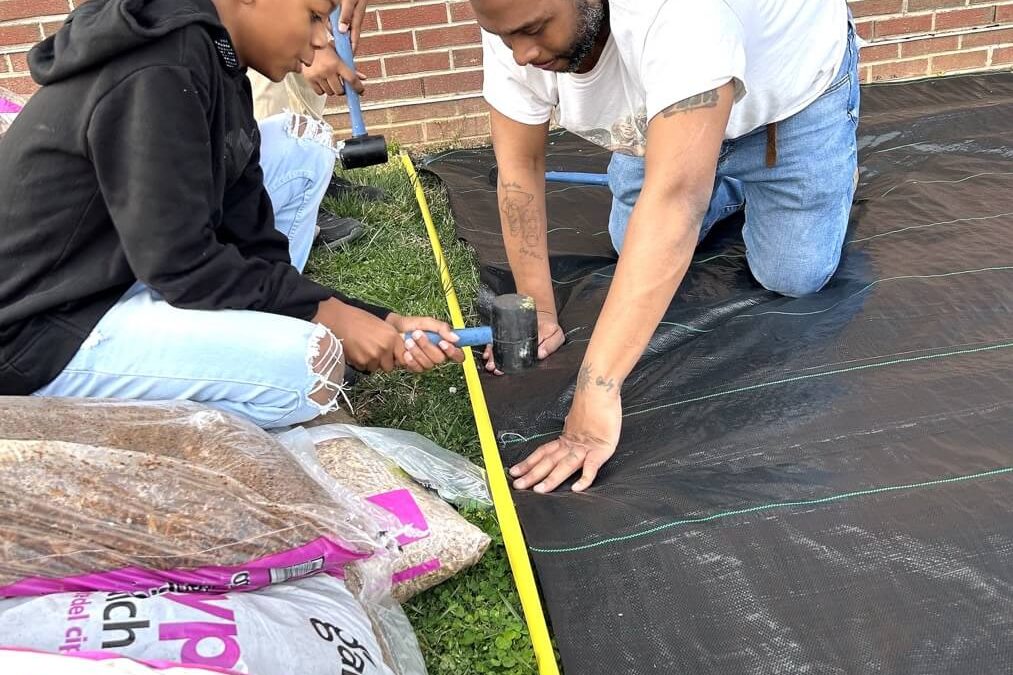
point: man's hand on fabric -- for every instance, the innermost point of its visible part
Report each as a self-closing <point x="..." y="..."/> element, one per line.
<point x="329" y="74"/>
<point x="589" y="438"/>
<point x="550" y="339"/>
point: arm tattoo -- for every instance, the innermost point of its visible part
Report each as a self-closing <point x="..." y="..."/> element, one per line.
<point x="585" y="380"/>
<point x="708" y="99"/>
<point x="521" y="217"/>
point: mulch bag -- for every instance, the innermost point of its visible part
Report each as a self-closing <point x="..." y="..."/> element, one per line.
<point x="174" y="497"/>
<point x="310" y="626"/>
<point x="10" y="105"/>
<point x="437" y="544"/>
<point x="113" y="496"/>
<point x="29" y="662"/>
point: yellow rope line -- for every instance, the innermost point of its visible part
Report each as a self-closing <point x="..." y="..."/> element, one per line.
<point x="513" y="537"/>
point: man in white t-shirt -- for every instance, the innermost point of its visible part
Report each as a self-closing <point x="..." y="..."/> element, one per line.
<point x="710" y="107"/>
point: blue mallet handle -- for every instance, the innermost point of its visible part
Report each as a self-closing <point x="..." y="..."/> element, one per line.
<point x="577" y="178"/>
<point x="470" y="337"/>
<point x="343" y="43"/>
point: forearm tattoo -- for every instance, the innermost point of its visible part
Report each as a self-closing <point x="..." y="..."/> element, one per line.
<point x="521" y="217"/>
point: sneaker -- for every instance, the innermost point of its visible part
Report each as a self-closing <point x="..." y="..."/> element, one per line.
<point x="341" y="187"/>
<point x="336" y="231"/>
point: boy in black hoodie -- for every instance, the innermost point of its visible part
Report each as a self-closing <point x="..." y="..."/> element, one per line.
<point x="138" y="240"/>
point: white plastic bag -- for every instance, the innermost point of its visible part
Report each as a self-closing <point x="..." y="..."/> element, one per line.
<point x="311" y="626"/>
<point x="456" y="479"/>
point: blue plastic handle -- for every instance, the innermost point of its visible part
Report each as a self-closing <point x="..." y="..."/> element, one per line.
<point x="470" y="337"/>
<point x="577" y="178"/>
<point x="343" y="43"/>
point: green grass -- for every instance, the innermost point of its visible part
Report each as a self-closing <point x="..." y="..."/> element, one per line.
<point x="472" y="623"/>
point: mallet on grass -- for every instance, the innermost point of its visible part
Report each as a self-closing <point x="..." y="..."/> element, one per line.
<point x="361" y="149"/>
<point x="513" y="333"/>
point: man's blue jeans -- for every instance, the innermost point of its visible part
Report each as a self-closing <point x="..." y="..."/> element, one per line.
<point x="796" y="212"/>
<point x="250" y="363"/>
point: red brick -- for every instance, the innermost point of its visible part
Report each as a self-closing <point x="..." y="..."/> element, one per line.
<point x="898" y="70"/>
<point x="405" y="134"/>
<point x="454" y="83"/>
<point x="988" y="38"/>
<point x="19" y="35"/>
<point x="862" y="8"/>
<point x="372" y="118"/>
<point x="24" y="9"/>
<point x="51" y="27"/>
<point x="961" y="61"/>
<point x="866" y="29"/>
<point x="467" y="57"/>
<point x="1004" y="14"/>
<point x="369" y="23"/>
<point x="924" y="5"/>
<point x="929" y="46"/>
<point x="875" y="52"/>
<point x="1002" y="56"/>
<point x="19" y="85"/>
<point x="370" y="68"/>
<point x="385" y="43"/>
<point x="19" y="62"/>
<point x="417" y="63"/>
<point x="458" y="127"/>
<point x="905" y="25"/>
<point x="413" y="17"/>
<point x="396" y="90"/>
<point x="452" y="36"/>
<point x="424" y="111"/>
<point x="462" y="11"/>
<point x="965" y="18"/>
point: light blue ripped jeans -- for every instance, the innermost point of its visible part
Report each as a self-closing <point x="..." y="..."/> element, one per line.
<point x="253" y="364"/>
<point x="796" y="212"/>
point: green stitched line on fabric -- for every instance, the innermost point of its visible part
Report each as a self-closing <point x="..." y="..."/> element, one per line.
<point x="798" y="378"/>
<point x="779" y="505"/>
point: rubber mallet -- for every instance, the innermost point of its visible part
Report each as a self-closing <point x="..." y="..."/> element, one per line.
<point x="513" y="333"/>
<point x="361" y="149"/>
<point x="571" y="177"/>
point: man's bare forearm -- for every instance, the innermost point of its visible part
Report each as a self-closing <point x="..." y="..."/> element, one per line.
<point x="520" y="160"/>
<point x="522" y="214"/>
<point x="657" y="251"/>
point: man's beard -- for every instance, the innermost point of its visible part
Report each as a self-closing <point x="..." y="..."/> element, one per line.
<point x="591" y="14"/>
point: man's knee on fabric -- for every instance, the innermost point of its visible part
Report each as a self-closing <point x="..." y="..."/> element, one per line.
<point x="798" y="277"/>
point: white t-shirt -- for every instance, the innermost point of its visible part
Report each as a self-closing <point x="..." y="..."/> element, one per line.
<point x="781" y="54"/>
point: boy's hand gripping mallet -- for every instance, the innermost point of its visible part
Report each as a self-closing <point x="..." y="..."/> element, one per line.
<point x="361" y="149"/>
<point x="513" y="333"/>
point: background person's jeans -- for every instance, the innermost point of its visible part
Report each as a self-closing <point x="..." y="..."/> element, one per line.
<point x="796" y="213"/>
<point x="253" y="364"/>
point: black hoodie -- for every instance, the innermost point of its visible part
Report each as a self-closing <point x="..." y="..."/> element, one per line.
<point x="137" y="160"/>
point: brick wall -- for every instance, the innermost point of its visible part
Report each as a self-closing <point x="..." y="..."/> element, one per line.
<point x="424" y="61"/>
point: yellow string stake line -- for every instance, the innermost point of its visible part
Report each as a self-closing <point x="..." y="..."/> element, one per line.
<point x="513" y="538"/>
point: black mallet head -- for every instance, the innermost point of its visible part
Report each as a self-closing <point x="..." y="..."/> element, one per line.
<point x="514" y="332"/>
<point x="361" y="151"/>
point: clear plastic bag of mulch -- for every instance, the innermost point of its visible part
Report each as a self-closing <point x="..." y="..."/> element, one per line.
<point x="176" y="497"/>
<point x="10" y="105"/>
<point x="453" y="477"/>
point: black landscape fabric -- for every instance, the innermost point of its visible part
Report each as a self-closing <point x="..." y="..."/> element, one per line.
<point x="818" y="485"/>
